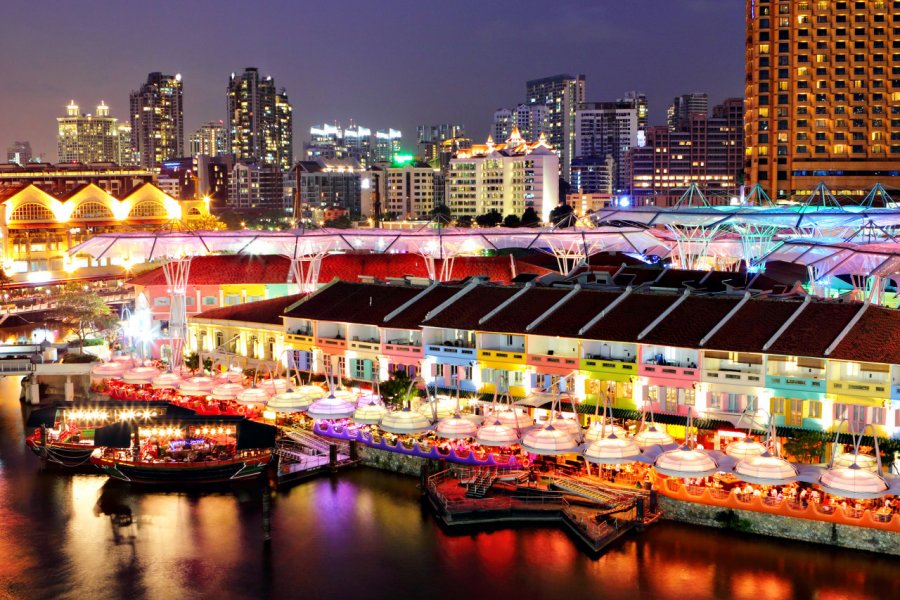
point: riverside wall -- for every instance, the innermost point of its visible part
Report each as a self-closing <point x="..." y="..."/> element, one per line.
<point x="806" y="530"/>
<point x="394" y="461"/>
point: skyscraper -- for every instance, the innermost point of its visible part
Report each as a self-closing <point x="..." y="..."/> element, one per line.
<point x="157" y="119"/>
<point x="209" y="139"/>
<point x="19" y="153"/>
<point x="87" y="138"/>
<point x="823" y="96"/>
<point x="259" y="124"/>
<point x="610" y="129"/>
<point x="562" y="94"/>
<point x="678" y="115"/>
<point x="387" y="145"/>
<point x="126" y="154"/>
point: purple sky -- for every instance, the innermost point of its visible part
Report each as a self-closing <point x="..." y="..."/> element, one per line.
<point x="393" y="63"/>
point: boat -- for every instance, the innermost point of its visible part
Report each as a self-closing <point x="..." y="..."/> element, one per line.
<point x="187" y="450"/>
<point x="64" y="434"/>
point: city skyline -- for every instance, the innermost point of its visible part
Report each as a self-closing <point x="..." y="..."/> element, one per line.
<point x="617" y="48"/>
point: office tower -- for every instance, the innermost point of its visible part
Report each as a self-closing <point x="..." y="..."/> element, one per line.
<point x="126" y="154"/>
<point x="562" y="94"/>
<point x="603" y="130"/>
<point x="87" y="138"/>
<point x="507" y="177"/>
<point x="209" y="139"/>
<point x="708" y="152"/>
<point x="823" y="96"/>
<point x="503" y="124"/>
<point x="259" y="122"/>
<point x="682" y="107"/>
<point x="387" y="145"/>
<point x="157" y="119"/>
<point x="19" y="153"/>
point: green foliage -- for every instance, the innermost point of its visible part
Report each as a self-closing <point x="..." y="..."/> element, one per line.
<point x="512" y="221"/>
<point x="208" y="364"/>
<point x="84" y="310"/>
<point x="396" y="390"/>
<point x="192" y="362"/>
<point x="464" y="221"/>
<point x="342" y="222"/>
<point x="530" y="218"/>
<point x="562" y="215"/>
<point x="806" y="446"/>
<point x="94" y="342"/>
<point x="489" y="219"/>
<point x="79" y="358"/>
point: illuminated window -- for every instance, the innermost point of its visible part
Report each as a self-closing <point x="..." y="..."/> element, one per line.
<point x="148" y="209"/>
<point x="32" y="212"/>
<point x="92" y="210"/>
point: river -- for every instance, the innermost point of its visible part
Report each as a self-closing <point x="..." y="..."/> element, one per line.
<point x="363" y="535"/>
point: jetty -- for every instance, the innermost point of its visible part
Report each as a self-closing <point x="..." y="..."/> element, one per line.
<point x="303" y="455"/>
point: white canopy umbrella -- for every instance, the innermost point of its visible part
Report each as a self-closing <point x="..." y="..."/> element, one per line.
<point x="251" y="396"/>
<point x="273" y="386"/>
<point x="596" y="430"/>
<point x="853" y="482"/>
<point x="167" y="381"/>
<point x="440" y="407"/>
<point x="405" y="421"/>
<point x="864" y="461"/>
<point x="230" y="376"/>
<point x="612" y="450"/>
<point x="765" y="469"/>
<point x="456" y="427"/>
<point x="332" y="407"/>
<point x="511" y="416"/>
<point x="745" y="449"/>
<point x="497" y="435"/>
<point x="226" y="391"/>
<point x="651" y="436"/>
<point x="369" y="414"/>
<point x="109" y="370"/>
<point x="549" y="440"/>
<point x="125" y="359"/>
<point x="197" y="386"/>
<point x="569" y="426"/>
<point x="140" y="375"/>
<point x="685" y="463"/>
<point x="291" y="402"/>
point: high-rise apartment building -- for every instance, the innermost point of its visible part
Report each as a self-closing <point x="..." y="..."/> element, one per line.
<point x="19" y="153"/>
<point x="87" y="138"/>
<point x="562" y="95"/>
<point x="608" y="129"/>
<point x="410" y="192"/>
<point x="503" y="124"/>
<point x="355" y="142"/>
<point x="823" y="95"/>
<point x="532" y="120"/>
<point x="678" y="115"/>
<point x="157" y="119"/>
<point x="256" y="187"/>
<point x="707" y="152"/>
<point x="209" y="139"/>
<point x="127" y="155"/>
<point x="259" y="124"/>
<point x="507" y="177"/>
<point x="327" y="183"/>
<point x="387" y="145"/>
<point x="431" y="140"/>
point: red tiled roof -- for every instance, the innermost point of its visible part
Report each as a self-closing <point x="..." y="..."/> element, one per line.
<point x="576" y="313"/>
<point x="814" y="330"/>
<point x="690" y="321"/>
<point x="630" y="317"/>
<point x="365" y="303"/>
<point x="637" y="275"/>
<point x="753" y="325"/>
<point x="236" y="269"/>
<point x="412" y="316"/>
<point x="515" y="317"/>
<point x="874" y="338"/>
<point x="264" y="311"/>
<point x="465" y="312"/>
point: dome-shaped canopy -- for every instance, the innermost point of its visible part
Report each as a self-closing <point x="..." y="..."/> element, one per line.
<point x="765" y="469"/>
<point x="443" y="407"/>
<point x="405" y="421"/>
<point x="684" y="462"/>
<point x="745" y="449"/>
<point x="369" y="414"/>
<point x="612" y="450"/>
<point x="230" y="376"/>
<point x="124" y="359"/>
<point x="496" y="435"/>
<point x="331" y="407"/>
<point x="290" y="402"/>
<point x="109" y="370"/>
<point x="273" y="386"/>
<point x="864" y="461"/>
<point x="253" y="396"/>
<point x="197" y="386"/>
<point x="227" y="391"/>
<point x="512" y="417"/>
<point x="596" y="431"/>
<point x="569" y="426"/>
<point x="166" y="381"/>
<point x="651" y="436"/>
<point x="549" y="440"/>
<point x="456" y="427"/>
<point x="313" y="391"/>
<point x="853" y="482"/>
<point x="140" y="374"/>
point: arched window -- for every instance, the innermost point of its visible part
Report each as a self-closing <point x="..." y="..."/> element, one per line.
<point x="270" y="348"/>
<point x="252" y="344"/>
<point x="194" y="212"/>
<point x="92" y="210"/>
<point x="220" y="339"/>
<point x="148" y="209"/>
<point x="32" y="212"/>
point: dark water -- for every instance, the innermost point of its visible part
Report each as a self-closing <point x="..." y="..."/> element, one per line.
<point x="363" y="535"/>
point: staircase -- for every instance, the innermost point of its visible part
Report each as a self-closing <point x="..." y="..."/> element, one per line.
<point x="483" y="481"/>
<point x="591" y="492"/>
<point x="304" y="438"/>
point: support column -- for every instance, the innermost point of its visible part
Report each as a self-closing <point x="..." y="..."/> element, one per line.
<point x="305" y="271"/>
<point x="177" y="271"/>
<point x="35" y="393"/>
<point x="69" y="389"/>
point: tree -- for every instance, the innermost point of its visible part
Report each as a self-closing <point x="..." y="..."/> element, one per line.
<point x="441" y="210"/>
<point x="530" y="218"/>
<point x="85" y="310"/>
<point x="342" y="222"/>
<point x="396" y="390"/>
<point x="491" y="218"/>
<point x="563" y="215"/>
<point x="192" y="362"/>
<point x="199" y="223"/>
<point x="512" y="221"/>
<point x="807" y="446"/>
<point x="464" y="221"/>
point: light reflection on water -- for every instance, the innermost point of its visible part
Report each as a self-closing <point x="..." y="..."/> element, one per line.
<point x="363" y="534"/>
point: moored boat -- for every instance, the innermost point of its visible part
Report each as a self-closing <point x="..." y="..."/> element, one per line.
<point x="194" y="450"/>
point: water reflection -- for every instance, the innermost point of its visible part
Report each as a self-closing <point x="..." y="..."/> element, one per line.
<point x="363" y="534"/>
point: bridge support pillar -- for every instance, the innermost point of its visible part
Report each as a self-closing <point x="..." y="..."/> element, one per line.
<point x="35" y="393"/>
<point x="69" y="389"/>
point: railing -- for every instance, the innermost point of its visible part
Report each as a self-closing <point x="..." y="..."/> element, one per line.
<point x="552" y="361"/>
<point x="859" y="388"/>
<point x="669" y="371"/>
<point x="451" y="350"/>
<point x="510" y="355"/>
<point x="725" y="376"/>
<point x="16" y="366"/>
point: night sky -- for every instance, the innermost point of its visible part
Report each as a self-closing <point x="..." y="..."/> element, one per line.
<point x="393" y="63"/>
